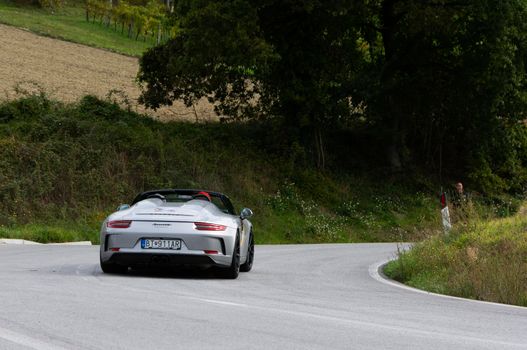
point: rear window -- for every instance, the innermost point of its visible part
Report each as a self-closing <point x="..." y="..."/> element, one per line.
<point x="180" y="196"/>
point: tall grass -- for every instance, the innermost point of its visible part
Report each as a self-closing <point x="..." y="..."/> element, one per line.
<point x="484" y="259"/>
<point x="63" y="168"/>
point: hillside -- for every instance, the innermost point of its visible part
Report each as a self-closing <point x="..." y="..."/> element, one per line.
<point x="63" y="168"/>
<point x="111" y="154"/>
<point x="68" y="71"/>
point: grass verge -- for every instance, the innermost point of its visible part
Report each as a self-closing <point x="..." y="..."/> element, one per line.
<point x="46" y="233"/>
<point x="483" y="260"/>
<point x="69" y="23"/>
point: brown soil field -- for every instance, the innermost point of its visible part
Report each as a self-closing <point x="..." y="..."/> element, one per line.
<point x="67" y="71"/>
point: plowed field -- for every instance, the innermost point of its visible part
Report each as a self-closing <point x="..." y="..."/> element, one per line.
<point x="67" y="71"/>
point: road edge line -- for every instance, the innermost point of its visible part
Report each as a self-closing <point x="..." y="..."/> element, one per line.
<point x="17" y="241"/>
<point x="27" y="341"/>
<point x="375" y="272"/>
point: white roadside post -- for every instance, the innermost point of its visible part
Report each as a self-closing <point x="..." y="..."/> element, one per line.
<point x="445" y="215"/>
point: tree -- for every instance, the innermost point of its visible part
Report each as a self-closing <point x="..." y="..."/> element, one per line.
<point x="438" y="80"/>
<point x="444" y="76"/>
<point x="292" y="60"/>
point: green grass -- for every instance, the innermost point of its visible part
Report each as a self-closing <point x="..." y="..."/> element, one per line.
<point x="45" y="233"/>
<point x="481" y="259"/>
<point x="70" y="24"/>
<point x="64" y="167"/>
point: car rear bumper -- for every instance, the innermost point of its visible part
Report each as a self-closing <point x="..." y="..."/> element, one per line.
<point x="149" y="259"/>
<point x="183" y="256"/>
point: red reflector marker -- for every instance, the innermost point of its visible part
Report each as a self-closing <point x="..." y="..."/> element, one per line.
<point x="205" y="226"/>
<point x="119" y="223"/>
<point x="210" y="251"/>
<point x="443" y="200"/>
<point x="115" y="249"/>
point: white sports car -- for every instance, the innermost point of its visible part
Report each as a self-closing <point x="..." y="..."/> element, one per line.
<point x="178" y="228"/>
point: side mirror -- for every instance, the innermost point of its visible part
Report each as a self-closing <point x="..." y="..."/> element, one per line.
<point x="123" y="207"/>
<point x="246" y="213"/>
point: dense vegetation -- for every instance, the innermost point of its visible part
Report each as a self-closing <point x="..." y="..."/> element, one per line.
<point x="485" y="260"/>
<point x="438" y="85"/>
<point x="63" y="168"/>
<point x="442" y="84"/>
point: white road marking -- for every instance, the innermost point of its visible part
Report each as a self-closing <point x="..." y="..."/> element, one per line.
<point x="220" y="302"/>
<point x="373" y="270"/>
<point x="394" y="328"/>
<point x="17" y="241"/>
<point x="24" y="340"/>
<point x="365" y="324"/>
<point x="356" y="323"/>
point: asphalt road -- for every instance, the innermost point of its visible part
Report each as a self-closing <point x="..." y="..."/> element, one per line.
<point x="296" y="297"/>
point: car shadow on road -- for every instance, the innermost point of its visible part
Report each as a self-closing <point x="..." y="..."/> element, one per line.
<point x="175" y="272"/>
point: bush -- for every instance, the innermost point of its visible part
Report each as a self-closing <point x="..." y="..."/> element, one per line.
<point x="501" y="163"/>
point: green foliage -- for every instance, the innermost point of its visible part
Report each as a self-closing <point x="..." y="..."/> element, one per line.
<point x="260" y="59"/>
<point x="69" y="23"/>
<point x="51" y="4"/>
<point x="500" y="165"/>
<point x="148" y="21"/>
<point x="67" y="166"/>
<point x="439" y="84"/>
<point x="486" y="260"/>
<point x="59" y="232"/>
<point x="446" y="83"/>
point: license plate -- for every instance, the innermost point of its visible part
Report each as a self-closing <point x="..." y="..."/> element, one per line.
<point x="161" y="244"/>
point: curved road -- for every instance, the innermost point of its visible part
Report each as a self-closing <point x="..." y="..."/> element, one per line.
<point x="296" y="297"/>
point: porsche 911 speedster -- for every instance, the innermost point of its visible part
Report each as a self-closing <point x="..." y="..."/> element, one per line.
<point x="175" y="227"/>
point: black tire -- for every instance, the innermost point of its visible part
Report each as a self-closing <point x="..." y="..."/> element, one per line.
<point x="248" y="265"/>
<point x="233" y="271"/>
<point x="113" y="268"/>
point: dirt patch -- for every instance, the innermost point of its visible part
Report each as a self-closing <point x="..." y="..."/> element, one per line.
<point x="68" y="71"/>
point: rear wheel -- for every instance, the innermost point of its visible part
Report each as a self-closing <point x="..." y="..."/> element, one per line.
<point x="233" y="271"/>
<point x="248" y="265"/>
<point x="113" y="268"/>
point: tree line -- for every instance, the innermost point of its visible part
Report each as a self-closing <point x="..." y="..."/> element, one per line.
<point x="137" y="19"/>
<point x="435" y="84"/>
<point x="146" y="21"/>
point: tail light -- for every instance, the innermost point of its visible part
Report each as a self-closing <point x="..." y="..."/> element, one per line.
<point x="210" y="251"/>
<point x="205" y="226"/>
<point x="119" y="223"/>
